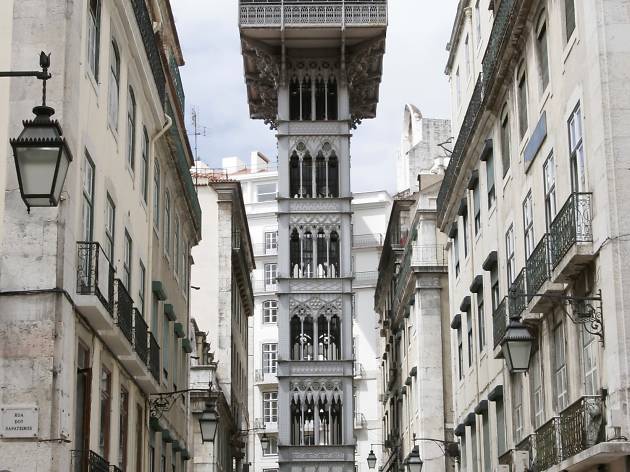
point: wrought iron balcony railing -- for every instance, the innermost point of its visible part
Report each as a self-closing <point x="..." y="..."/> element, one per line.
<point x="429" y="256"/>
<point x="501" y="31"/>
<point x="262" y="249"/>
<point x="154" y="357"/>
<point x="538" y="267"/>
<point x="255" y="13"/>
<point x="582" y="425"/>
<point x="140" y="336"/>
<point x="145" y="24"/>
<point x="95" y="274"/>
<point x="367" y="240"/>
<point x="87" y="461"/>
<point x="177" y="80"/>
<point x="264" y="286"/>
<point x="572" y="225"/>
<point x="124" y="310"/>
<point x="500" y="322"/>
<point x="366" y="278"/>
<point x="547" y="445"/>
<point x="517" y="298"/>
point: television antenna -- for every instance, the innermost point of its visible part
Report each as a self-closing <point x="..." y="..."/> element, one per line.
<point x="196" y="132"/>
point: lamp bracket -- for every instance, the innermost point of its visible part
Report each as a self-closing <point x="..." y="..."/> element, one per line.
<point x="586" y="311"/>
<point x="449" y="448"/>
<point x="160" y="403"/>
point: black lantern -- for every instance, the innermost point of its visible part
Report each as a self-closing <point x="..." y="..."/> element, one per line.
<point x="42" y="158"/>
<point x="371" y="459"/>
<point x="208" y="423"/>
<point x="264" y="442"/>
<point x="516" y="346"/>
<point x="414" y="462"/>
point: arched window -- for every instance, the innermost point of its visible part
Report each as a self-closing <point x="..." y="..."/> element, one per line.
<point x="270" y="311"/>
<point x="332" y="99"/>
<point x="308" y="270"/>
<point x="131" y="130"/>
<point x="334" y="254"/>
<point x="336" y="422"/>
<point x="307" y="176"/>
<point x="114" y="85"/>
<point x="302" y="421"/>
<point x="307" y="98"/>
<point x="333" y="176"/>
<point x="294" y="255"/>
<point x="294" y="99"/>
<point x="322" y="254"/>
<point x="167" y="224"/>
<point x="320" y="99"/>
<point x="320" y="176"/>
<point x="328" y="338"/>
<point x="301" y="338"/>
<point x="294" y="175"/>
<point x="541" y="51"/>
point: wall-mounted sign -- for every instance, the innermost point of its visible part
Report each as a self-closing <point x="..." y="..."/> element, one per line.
<point x="19" y="421"/>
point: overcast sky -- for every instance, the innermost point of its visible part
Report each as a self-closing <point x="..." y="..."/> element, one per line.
<point x="213" y="81"/>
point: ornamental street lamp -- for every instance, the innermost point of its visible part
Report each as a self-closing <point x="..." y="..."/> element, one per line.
<point x="414" y="462"/>
<point x="208" y="423"/>
<point x="516" y="346"/>
<point x="42" y="156"/>
<point x="264" y="441"/>
<point x="371" y="459"/>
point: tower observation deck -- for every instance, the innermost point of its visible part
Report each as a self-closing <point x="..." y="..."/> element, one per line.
<point x="312" y="71"/>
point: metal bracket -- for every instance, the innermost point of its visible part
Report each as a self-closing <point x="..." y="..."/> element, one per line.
<point x="160" y="403"/>
<point x="586" y="311"/>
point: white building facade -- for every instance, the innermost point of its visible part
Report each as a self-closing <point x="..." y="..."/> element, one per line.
<point x="259" y="180"/>
<point x="534" y="202"/>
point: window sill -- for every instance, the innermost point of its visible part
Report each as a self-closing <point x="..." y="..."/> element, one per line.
<point x="546" y="96"/>
<point x="93" y="83"/>
<point x="568" y="48"/>
<point x="113" y="132"/>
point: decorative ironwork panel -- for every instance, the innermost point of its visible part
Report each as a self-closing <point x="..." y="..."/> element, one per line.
<point x="95" y="274"/>
<point x="547" y="444"/>
<point x="572" y="224"/>
<point x="140" y="336"/>
<point x="501" y="31"/>
<point x="517" y="299"/>
<point x="154" y="357"/>
<point x="124" y="310"/>
<point x="177" y="80"/>
<point x="500" y="322"/>
<point x="582" y="425"/>
<point x="538" y="267"/>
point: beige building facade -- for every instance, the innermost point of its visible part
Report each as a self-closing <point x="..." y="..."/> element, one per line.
<point x="96" y="290"/>
<point x="534" y="203"/>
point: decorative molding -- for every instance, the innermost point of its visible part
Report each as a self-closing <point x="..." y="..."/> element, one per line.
<point x="316" y="219"/>
<point x="314" y="145"/>
<point x="315" y="285"/>
<point x="317" y="128"/>
<point x="361" y="13"/>
<point x="299" y="205"/>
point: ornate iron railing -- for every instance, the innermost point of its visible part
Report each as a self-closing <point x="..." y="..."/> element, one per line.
<point x="501" y="31"/>
<point x="547" y="444"/>
<point x="466" y="131"/>
<point x="154" y="357"/>
<point x="140" y="336"/>
<point x="87" y="461"/>
<point x="95" y="274"/>
<point x="582" y="425"/>
<point x="349" y="13"/>
<point x="433" y="255"/>
<point x="143" y="18"/>
<point x="500" y="322"/>
<point x="572" y="224"/>
<point x="367" y="240"/>
<point x="177" y="80"/>
<point x="124" y="310"/>
<point x="516" y="296"/>
<point x="538" y="267"/>
<point x="366" y="278"/>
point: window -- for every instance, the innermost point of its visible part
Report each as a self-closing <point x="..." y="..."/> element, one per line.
<point x="266" y="192"/>
<point x="270" y="407"/>
<point x="114" y="85"/>
<point x="156" y="195"/>
<point x="88" y="198"/>
<point x="176" y="258"/>
<point x="271" y="272"/>
<point x="123" y="422"/>
<point x="477" y="208"/>
<point x="458" y="88"/>
<point x="569" y="17"/>
<point x="139" y="440"/>
<point x="167" y="224"/>
<point x="127" y="262"/>
<point x="141" y="288"/>
<point x="155" y="307"/>
<point x="509" y="250"/>
<point x="528" y="224"/>
<point x="501" y="433"/>
<point x="271" y="450"/>
<point x="505" y="141"/>
<point x="541" y="52"/>
<point x="473" y="447"/>
<point x="561" y="393"/>
<point x="522" y="104"/>
<point x="538" y="398"/>
<point x="477" y="22"/>
<point x="270" y="357"/>
<point x="465" y="233"/>
<point x="271" y="242"/>
<point x="460" y="353"/>
<point x="166" y="339"/>
<point x="82" y="398"/>
<point x="270" y="311"/>
<point x="494" y="284"/>
<point x="589" y="362"/>
<point x="131" y="130"/>
<point x="110" y="226"/>
<point x="517" y="406"/>
<point x="467" y="55"/>
<point x="485" y="431"/>
<point x="576" y="148"/>
<point x="456" y="253"/>
<point x="144" y="171"/>
<point x="492" y="196"/>
<point x="481" y="321"/>
<point x="94" y="36"/>
<point x="105" y="404"/>
<point x="469" y="327"/>
<point x="549" y="170"/>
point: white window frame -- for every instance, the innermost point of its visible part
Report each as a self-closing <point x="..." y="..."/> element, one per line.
<point x="270" y="311"/>
<point x="509" y="251"/>
<point x="94" y="37"/>
<point x="270" y="407"/>
<point x="528" y="224"/>
<point x="127" y="260"/>
<point x="270" y="276"/>
<point x="110" y="227"/>
<point x="266" y="194"/>
<point x="271" y="242"/>
<point x="114" y="84"/>
<point x="270" y="358"/>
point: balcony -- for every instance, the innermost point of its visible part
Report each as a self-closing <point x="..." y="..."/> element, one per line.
<point x="87" y="461"/>
<point x="538" y="268"/>
<point x="145" y="25"/>
<point x="261" y="377"/>
<point x="95" y="285"/>
<point x="154" y="357"/>
<point x="517" y="299"/>
<point x="430" y="256"/>
<point x="177" y="80"/>
<point x="267" y="426"/>
<point x="367" y="240"/>
<point x="359" y="421"/>
<point x="571" y="235"/>
<point x="359" y="371"/>
<point x="582" y="425"/>
<point x="297" y="13"/>
<point x="263" y="249"/>
<point x="262" y="286"/>
<point x="547" y="445"/>
<point x="500" y="322"/>
<point x="365" y="279"/>
<point x="120" y="340"/>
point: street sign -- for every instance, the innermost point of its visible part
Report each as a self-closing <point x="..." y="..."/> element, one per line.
<point x="19" y="421"/>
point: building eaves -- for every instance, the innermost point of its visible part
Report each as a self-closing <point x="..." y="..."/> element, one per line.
<point x="451" y="47"/>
